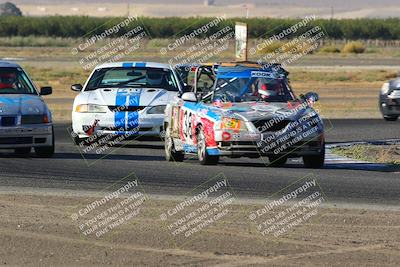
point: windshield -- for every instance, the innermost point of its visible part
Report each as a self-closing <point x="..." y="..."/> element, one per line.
<point x="133" y="77"/>
<point x="15" y="81"/>
<point x="252" y="89"/>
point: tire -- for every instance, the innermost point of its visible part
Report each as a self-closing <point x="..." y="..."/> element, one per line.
<point x="277" y="161"/>
<point x="390" y="118"/>
<point x="170" y="153"/>
<point x="204" y="157"/>
<point x="22" y="151"/>
<point x="315" y="161"/>
<point x="46" y="151"/>
<point x="78" y="141"/>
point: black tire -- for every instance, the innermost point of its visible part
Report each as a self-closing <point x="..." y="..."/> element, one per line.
<point x="390" y="118"/>
<point x="22" y="151"/>
<point x="315" y="161"/>
<point x="277" y="161"/>
<point x="46" y="151"/>
<point x="78" y="141"/>
<point x="204" y="157"/>
<point x="170" y="153"/>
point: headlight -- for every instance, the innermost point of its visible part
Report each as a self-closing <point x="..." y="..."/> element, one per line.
<point x="91" y="108"/>
<point x="233" y="124"/>
<point x="385" y="88"/>
<point x="156" y="110"/>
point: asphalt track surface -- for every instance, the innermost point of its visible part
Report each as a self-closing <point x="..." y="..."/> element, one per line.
<point x="249" y="178"/>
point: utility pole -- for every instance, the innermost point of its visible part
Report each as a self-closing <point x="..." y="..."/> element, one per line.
<point x="129" y="9"/>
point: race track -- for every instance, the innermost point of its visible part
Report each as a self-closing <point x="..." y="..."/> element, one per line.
<point x="250" y="178"/>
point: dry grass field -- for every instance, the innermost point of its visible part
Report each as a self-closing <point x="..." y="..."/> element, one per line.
<point x="349" y="91"/>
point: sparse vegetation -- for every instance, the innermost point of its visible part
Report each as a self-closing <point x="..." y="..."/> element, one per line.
<point x="329" y="49"/>
<point x="354" y="47"/>
<point x="389" y="154"/>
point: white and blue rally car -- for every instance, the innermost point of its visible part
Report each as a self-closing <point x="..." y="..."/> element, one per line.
<point x="124" y="98"/>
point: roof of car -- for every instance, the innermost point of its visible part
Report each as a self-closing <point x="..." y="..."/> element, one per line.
<point x="130" y="64"/>
<point x="245" y="68"/>
<point x="6" y="64"/>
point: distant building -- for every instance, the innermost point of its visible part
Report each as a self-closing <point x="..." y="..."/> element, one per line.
<point x="209" y="2"/>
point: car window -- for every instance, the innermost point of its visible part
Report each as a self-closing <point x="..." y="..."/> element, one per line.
<point x="252" y="89"/>
<point x="15" y="81"/>
<point x="133" y="77"/>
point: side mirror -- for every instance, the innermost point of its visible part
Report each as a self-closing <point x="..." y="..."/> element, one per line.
<point x="311" y="97"/>
<point x="189" y="96"/>
<point x="46" y="90"/>
<point x="77" y="87"/>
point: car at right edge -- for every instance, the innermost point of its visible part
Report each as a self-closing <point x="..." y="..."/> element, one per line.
<point x="251" y="111"/>
<point x="389" y="100"/>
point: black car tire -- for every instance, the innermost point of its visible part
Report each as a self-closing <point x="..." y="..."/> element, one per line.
<point x="391" y="118"/>
<point x="277" y="161"/>
<point x="170" y="153"/>
<point x="46" y="151"/>
<point x="78" y="141"/>
<point x="204" y="157"/>
<point x="315" y="161"/>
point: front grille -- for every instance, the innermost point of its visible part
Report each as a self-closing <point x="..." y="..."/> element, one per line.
<point x="270" y="125"/>
<point x="40" y="140"/>
<point x="125" y="108"/>
<point x="15" y="140"/>
<point x="31" y="119"/>
<point x="8" y="121"/>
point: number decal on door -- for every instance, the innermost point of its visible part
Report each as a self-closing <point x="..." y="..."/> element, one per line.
<point x="187" y="125"/>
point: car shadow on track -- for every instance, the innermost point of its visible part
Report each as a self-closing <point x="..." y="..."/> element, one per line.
<point x="89" y="157"/>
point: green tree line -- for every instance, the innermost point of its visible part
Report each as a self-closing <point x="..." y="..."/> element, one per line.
<point x="71" y="26"/>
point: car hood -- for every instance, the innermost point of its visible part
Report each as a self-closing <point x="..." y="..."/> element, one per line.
<point x="130" y="96"/>
<point x="11" y="104"/>
<point x="252" y="111"/>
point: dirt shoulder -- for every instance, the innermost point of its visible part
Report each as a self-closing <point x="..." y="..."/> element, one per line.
<point x="389" y="154"/>
<point x="37" y="229"/>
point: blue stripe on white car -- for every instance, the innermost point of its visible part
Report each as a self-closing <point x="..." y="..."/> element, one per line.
<point x="127" y="120"/>
<point x="133" y="117"/>
<point x="119" y="117"/>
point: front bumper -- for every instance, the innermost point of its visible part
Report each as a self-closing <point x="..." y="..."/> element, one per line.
<point x="309" y="142"/>
<point x="145" y="124"/>
<point x="33" y="135"/>
<point x="251" y="149"/>
<point x="389" y="106"/>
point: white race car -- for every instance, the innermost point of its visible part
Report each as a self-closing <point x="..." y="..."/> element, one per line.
<point x="124" y="98"/>
<point x="25" y="120"/>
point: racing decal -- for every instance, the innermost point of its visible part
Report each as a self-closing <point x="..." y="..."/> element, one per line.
<point x="130" y="65"/>
<point x="230" y="123"/>
<point x="226" y="136"/>
<point x="187" y="125"/>
<point x="262" y="74"/>
<point x="208" y="127"/>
